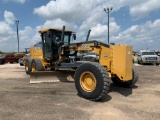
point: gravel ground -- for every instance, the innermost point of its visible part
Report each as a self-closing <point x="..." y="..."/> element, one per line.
<point x="20" y="100"/>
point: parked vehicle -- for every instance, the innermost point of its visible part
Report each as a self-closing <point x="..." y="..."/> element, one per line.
<point x="147" y="56"/>
<point x="158" y="53"/>
<point x="23" y="60"/>
<point x="9" y="58"/>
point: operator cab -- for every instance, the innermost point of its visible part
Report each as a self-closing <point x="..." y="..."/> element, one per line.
<point x="52" y="42"/>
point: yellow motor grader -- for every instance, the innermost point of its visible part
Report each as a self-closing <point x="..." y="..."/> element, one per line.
<point x="92" y="78"/>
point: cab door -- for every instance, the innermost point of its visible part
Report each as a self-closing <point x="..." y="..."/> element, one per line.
<point x="46" y="45"/>
<point x="50" y="41"/>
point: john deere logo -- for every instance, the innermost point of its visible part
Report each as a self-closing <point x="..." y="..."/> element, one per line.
<point x="85" y="47"/>
<point x="129" y="52"/>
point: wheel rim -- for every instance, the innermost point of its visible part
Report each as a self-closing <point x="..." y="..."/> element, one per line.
<point x="88" y="81"/>
<point x="33" y="67"/>
<point x="26" y="66"/>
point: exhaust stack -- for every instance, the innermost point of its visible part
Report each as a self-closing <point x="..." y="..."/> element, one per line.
<point x="88" y="35"/>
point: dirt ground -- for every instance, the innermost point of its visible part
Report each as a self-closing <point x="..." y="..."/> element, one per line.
<point x="20" y="100"/>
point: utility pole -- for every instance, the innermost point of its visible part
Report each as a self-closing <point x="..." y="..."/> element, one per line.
<point x="107" y="11"/>
<point x="16" y="22"/>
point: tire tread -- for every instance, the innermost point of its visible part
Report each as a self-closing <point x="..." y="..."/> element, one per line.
<point x="106" y="80"/>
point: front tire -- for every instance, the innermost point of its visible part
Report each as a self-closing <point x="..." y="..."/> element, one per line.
<point x="37" y="65"/>
<point x="28" y="67"/>
<point x="92" y="81"/>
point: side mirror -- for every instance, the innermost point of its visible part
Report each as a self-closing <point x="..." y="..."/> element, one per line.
<point x="112" y="43"/>
<point x="74" y="36"/>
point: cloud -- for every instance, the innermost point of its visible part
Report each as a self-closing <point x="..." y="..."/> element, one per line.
<point x="140" y="8"/>
<point x="17" y="1"/>
<point x="77" y="15"/>
<point x="80" y="16"/>
<point x="100" y="31"/>
<point x="8" y="36"/>
<point x="84" y="16"/>
<point x="28" y="37"/>
<point x="141" y="36"/>
<point x="55" y="23"/>
<point x="9" y="17"/>
<point x="4" y="29"/>
<point x="68" y="10"/>
<point x="71" y="10"/>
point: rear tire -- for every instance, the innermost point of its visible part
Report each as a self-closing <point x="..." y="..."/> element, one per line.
<point x="28" y="67"/>
<point x="37" y="65"/>
<point x="130" y="83"/>
<point x="92" y="81"/>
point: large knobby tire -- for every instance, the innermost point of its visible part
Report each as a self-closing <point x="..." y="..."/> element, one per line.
<point x="37" y="65"/>
<point x="28" y="67"/>
<point x="129" y="83"/>
<point x="92" y="81"/>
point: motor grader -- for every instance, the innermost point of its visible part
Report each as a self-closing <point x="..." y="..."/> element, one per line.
<point x="92" y="79"/>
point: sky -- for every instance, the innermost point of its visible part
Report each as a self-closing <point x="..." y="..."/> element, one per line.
<point x="132" y="22"/>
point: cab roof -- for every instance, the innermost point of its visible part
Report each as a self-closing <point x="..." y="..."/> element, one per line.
<point x="52" y="29"/>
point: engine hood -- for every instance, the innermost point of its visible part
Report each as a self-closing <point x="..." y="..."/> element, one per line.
<point x="149" y="56"/>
